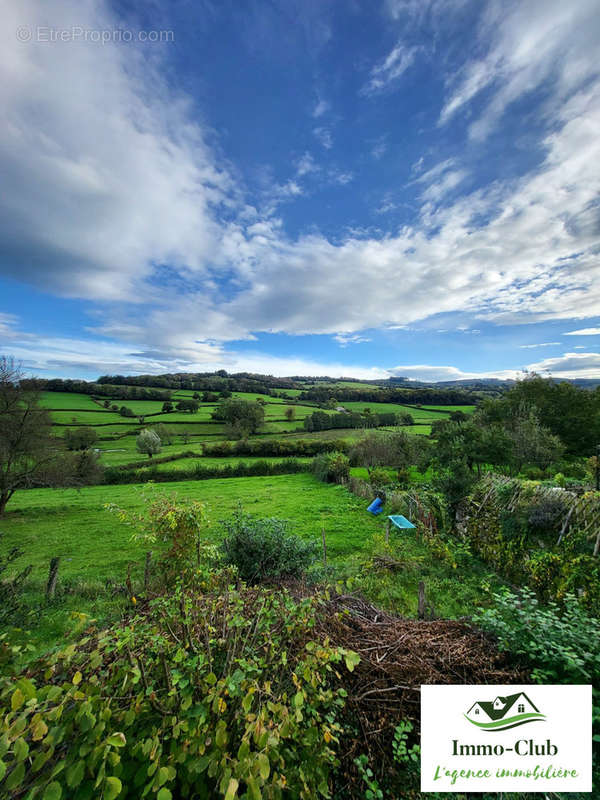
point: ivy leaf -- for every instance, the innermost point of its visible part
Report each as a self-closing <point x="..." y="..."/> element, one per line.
<point x="112" y="788"/>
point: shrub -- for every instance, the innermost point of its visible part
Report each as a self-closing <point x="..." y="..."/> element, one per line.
<point x="80" y="438"/>
<point x="562" y="644"/>
<point x="379" y="477"/>
<point x="214" y="693"/>
<point x="331" y="467"/>
<point x="264" y="548"/>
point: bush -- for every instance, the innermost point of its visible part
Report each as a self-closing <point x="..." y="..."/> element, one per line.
<point x="378" y="478"/>
<point x="562" y="644"/>
<point x="331" y="467"/>
<point x="214" y="692"/>
<point x="80" y="438"/>
<point x="264" y="548"/>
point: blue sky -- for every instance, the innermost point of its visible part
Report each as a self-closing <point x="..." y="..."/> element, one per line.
<point x="408" y="187"/>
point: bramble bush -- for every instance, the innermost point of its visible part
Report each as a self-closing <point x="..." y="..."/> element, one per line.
<point x="213" y="691"/>
<point x="264" y="548"/>
<point x="331" y="467"/>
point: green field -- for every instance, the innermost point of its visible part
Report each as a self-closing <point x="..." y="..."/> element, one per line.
<point x="96" y="549"/>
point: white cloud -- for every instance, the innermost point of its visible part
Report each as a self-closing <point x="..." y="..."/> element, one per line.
<point x="306" y="165"/>
<point x="322" y="107"/>
<point x="324" y="137"/>
<point x="541" y="344"/>
<point x="427" y="372"/>
<point x="584" y="332"/>
<point x="379" y="149"/>
<point x="398" y="60"/>
<point x="570" y="365"/>
<point x="528" y="45"/>
<point x="99" y="183"/>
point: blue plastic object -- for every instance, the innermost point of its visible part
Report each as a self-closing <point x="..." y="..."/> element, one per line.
<point x="376" y="506"/>
<point x="400" y="521"/>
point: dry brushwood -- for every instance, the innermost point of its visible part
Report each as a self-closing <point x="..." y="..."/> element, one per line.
<point x="397" y="656"/>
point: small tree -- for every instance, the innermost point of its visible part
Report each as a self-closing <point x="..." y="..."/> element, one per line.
<point x="188" y="405"/>
<point x="167" y="407"/>
<point x="80" y="438"/>
<point x="165" y="434"/>
<point x="290" y="413"/>
<point x="29" y="456"/>
<point x="148" y="442"/>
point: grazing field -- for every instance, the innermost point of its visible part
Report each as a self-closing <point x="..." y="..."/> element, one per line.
<point x="96" y="548"/>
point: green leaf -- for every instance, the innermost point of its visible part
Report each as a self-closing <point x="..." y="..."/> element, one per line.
<point x="17" y="700"/>
<point x="117" y="740"/>
<point x="75" y="774"/>
<point x="21" y="749"/>
<point x="263" y="766"/>
<point x="352" y="659"/>
<point x="252" y="784"/>
<point x="164" y="794"/>
<point x="232" y="789"/>
<point x="163" y="775"/>
<point x="53" y="791"/>
<point x="2" y="769"/>
<point x="112" y="788"/>
<point x="16" y="776"/>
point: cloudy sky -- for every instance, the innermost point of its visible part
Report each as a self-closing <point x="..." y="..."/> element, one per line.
<point x="406" y="187"/>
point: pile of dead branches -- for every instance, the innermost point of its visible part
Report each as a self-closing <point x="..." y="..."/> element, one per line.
<point x="397" y="656"/>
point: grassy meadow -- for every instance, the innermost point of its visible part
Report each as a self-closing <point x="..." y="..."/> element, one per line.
<point x="96" y="549"/>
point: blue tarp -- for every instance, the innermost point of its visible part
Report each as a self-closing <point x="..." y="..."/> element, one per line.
<point x="376" y="506"/>
<point x="400" y="521"/>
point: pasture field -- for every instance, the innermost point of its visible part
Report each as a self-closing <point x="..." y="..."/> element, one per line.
<point x="67" y="400"/>
<point x="418" y="414"/>
<point x="216" y="462"/>
<point x="96" y="548"/>
<point x="464" y="409"/>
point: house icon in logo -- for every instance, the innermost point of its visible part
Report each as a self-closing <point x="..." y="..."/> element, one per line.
<point x="503" y="713"/>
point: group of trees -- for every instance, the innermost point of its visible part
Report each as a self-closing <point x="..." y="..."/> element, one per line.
<point x="95" y="389"/>
<point x="427" y="396"/>
<point x="321" y="421"/>
<point x="205" y="381"/>
<point x="241" y="417"/>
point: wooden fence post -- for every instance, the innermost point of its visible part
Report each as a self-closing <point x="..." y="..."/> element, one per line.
<point x="421" y="612"/>
<point x="52" y="578"/>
